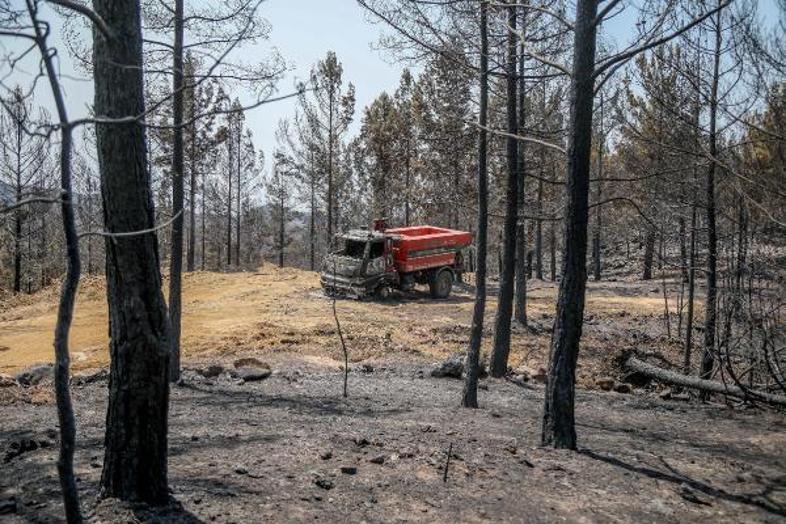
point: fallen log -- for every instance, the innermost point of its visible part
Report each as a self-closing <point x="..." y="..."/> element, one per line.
<point x="711" y="386"/>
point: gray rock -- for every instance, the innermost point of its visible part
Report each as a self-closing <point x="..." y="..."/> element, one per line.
<point x="378" y="460"/>
<point x="251" y="374"/>
<point x="623" y="388"/>
<point x="324" y="483"/>
<point x="34" y="375"/>
<point x="211" y="371"/>
<point x="326" y="454"/>
<point x="24" y="445"/>
<point x="250" y="362"/>
<point x="452" y="367"/>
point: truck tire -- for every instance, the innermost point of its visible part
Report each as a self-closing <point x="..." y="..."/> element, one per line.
<point x="441" y="284"/>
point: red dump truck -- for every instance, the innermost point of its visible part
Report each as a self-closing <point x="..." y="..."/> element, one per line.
<point x="375" y="261"/>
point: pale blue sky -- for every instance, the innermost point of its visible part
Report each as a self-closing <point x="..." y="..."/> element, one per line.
<point x="303" y="31"/>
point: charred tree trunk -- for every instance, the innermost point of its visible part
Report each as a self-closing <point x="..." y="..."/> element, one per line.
<point x="239" y="199"/>
<point x="596" y="237"/>
<point x="407" y="178"/>
<point x="203" y="219"/>
<point x="686" y="364"/>
<point x="558" y="414"/>
<point x="702" y="385"/>
<point x="65" y="311"/>
<point x="330" y="189"/>
<point x="539" y="235"/>
<point x="683" y="250"/>
<point x="553" y="251"/>
<point x="18" y="246"/>
<point x="710" y="307"/>
<point x="135" y="460"/>
<point x="192" y="168"/>
<point x="649" y="253"/>
<point x="470" y="396"/>
<point x="312" y="219"/>
<point x="18" y="213"/>
<point x="281" y="224"/>
<point x="176" y="260"/>
<point x="539" y="221"/>
<point x="90" y="221"/>
<point x="499" y="358"/>
<point x="523" y="261"/>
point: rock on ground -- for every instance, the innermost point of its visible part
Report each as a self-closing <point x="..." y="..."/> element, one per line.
<point x="453" y="367"/>
<point x="34" y="375"/>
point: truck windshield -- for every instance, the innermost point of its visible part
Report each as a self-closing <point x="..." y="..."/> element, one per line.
<point x="354" y="248"/>
<point x="377" y="249"/>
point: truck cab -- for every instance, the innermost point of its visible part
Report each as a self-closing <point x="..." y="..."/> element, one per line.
<point x="362" y="264"/>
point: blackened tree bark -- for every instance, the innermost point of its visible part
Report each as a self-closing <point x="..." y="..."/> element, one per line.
<point x="19" y="213"/>
<point x="553" y="251"/>
<point x="558" y="413"/>
<point x="649" y="253"/>
<point x="331" y="142"/>
<point x="192" y="171"/>
<point x="686" y="364"/>
<point x="203" y="219"/>
<point x="683" y="249"/>
<point x="596" y="237"/>
<point x="539" y="235"/>
<point x="135" y="459"/>
<point x="65" y="311"/>
<point x="312" y="229"/>
<point x="470" y="396"/>
<point x="523" y="267"/>
<point x="281" y="228"/>
<point x="539" y="221"/>
<point x="710" y="305"/>
<point x="230" y="153"/>
<point x="18" y="240"/>
<point x="498" y="366"/>
<point x="176" y="259"/>
<point x="239" y="192"/>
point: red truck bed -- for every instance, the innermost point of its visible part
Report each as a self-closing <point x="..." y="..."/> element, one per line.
<point x="424" y="247"/>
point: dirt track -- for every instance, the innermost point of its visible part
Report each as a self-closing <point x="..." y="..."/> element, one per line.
<point x="253" y="453"/>
<point x="272" y="311"/>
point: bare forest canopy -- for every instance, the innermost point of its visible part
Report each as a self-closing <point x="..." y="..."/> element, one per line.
<point x="569" y="151"/>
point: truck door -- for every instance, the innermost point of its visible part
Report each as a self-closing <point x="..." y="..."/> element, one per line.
<point x="389" y="259"/>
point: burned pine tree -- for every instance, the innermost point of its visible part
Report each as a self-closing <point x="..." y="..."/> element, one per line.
<point x="498" y="365"/>
<point x="470" y="395"/>
<point x="558" y="413"/>
<point x="558" y="417"/>
<point x="135" y="458"/>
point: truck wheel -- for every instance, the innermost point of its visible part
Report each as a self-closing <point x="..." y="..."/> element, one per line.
<point x="383" y="292"/>
<point x="441" y="284"/>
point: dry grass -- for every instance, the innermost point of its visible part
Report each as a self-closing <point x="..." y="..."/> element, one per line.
<point x="283" y="311"/>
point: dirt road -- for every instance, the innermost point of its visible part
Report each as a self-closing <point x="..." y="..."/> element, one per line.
<point x="274" y="310"/>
